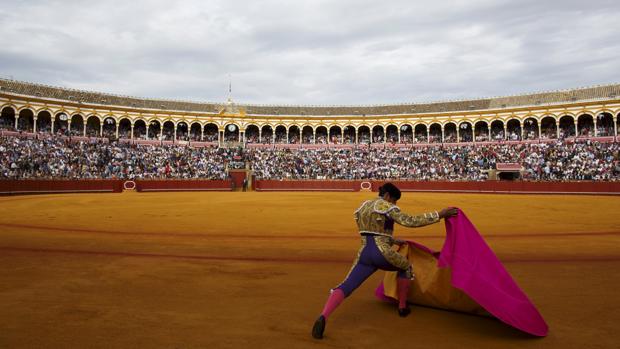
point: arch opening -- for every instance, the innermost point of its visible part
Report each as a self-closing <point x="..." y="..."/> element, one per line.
<point x="466" y="132"/>
<point x="378" y="134"/>
<point x="280" y="134"/>
<point x="293" y="135"/>
<point x="307" y="136"/>
<point x="211" y="132"/>
<point x="321" y="135"/>
<point x="335" y="135"/>
<point x="77" y="125"/>
<point x="604" y="125"/>
<point x="182" y="131"/>
<point x="167" y="131"/>
<point x="44" y="122"/>
<point x="363" y="135"/>
<point x="421" y="133"/>
<point x="251" y="134"/>
<point x="481" y="131"/>
<point x="435" y="133"/>
<point x="7" y="119"/>
<point x="406" y="134"/>
<point x="449" y="131"/>
<point x="514" y="129"/>
<point x="530" y="129"/>
<point x="497" y="130"/>
<point x="124" y="128"/>
<point x="567" y="126"/>
<point x="231" y="133"/>
<point x="93" y="126"/>
<point x="548" y="128"/>
<point x="585" y="125"/>
<point x="266" y="134"/>
<point x="139" y="129"/>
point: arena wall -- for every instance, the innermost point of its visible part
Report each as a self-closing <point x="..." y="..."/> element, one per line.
<point x="183" y="185"/>
<point x="14" y="187"/>
<point x="17" y="187"/>
<point x="518" y="187"/>
<point x="306" y="185"/>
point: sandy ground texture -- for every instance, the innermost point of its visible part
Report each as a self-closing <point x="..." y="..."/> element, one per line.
<point x="253" y="270"/>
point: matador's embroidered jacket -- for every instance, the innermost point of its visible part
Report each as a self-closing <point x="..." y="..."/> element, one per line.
<point x="378" y="216"/>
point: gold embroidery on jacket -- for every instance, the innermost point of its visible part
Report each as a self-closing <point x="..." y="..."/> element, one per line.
<point x="385" y="247"/>
<point x="372" y="214"/>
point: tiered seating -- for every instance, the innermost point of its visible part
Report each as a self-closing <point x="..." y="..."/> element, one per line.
<point x="582" y="94"/>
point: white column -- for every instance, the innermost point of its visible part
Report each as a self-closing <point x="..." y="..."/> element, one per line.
<point x="428" y="135"/>
<point x="522" y="129"/>
<point x="356" y="140"/>
<point x="287" y="136"/>
<point x="615" y="126"/>
<point x="595" y="127"/>
<point x="539" y="129"/>
<point x="443" y="137"/>
<point x="398" y="130"/>
<point x="53" y="119"/>
<point x="34" y="127"/>
<point x="84" y="129"/>
<point x="100" y="128"/>
<point x="117" y="126"/>
<point x="175" y="133"/>
<point x="505" y="131"/>
<point x="458" y="134"/>
<point x="131" y="131"/>
<point x="260" y="135"/>
<point x="313" y="136"/>
<point x="576" y="129"/>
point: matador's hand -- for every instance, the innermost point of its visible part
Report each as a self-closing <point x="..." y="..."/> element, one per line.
<point x="448" y="212"/>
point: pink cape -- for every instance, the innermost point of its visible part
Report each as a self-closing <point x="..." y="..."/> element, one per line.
<point x="477" y="272"/>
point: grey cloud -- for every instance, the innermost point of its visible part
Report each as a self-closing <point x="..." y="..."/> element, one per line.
<point x="312" y="52"/>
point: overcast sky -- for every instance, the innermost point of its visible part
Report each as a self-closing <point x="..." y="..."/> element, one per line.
<point x="312" y="52"/>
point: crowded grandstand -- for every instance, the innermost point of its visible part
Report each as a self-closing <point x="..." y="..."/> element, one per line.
<point x="55" y="157"/>
<point x="55" y="133"/>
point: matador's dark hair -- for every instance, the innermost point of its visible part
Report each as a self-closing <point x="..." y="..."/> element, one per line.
<point x="390" y="189"/>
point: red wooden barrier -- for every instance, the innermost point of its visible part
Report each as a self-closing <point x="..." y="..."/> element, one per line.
<point x="183" y="185"/>
<point x="517" y="187"/>
<point x="306" y="185"/>
<point x="12" y="187"/>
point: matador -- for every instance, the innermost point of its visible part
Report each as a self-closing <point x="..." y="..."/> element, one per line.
<point x="375" y="221"/>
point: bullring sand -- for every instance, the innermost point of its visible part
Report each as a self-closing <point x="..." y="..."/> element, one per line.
<point x="252" y="270"/>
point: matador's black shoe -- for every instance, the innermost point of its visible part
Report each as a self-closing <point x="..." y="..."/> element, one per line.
<point x="319" y="327"/>
<point x="403" y="312"/>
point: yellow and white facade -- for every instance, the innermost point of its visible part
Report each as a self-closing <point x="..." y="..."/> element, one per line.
<point x="594" y="109"/>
